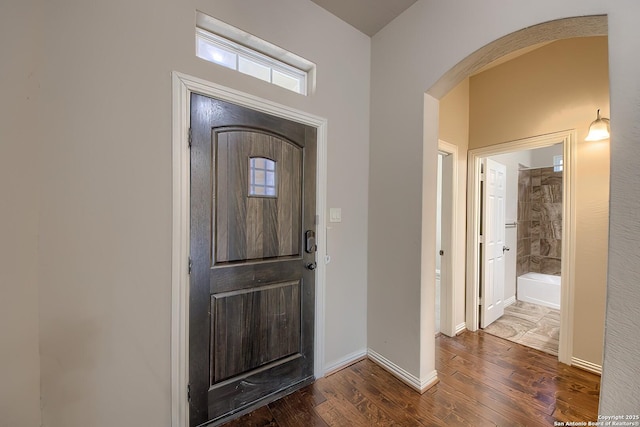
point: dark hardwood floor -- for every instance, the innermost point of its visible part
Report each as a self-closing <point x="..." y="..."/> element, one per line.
<point x="484" y="381"/>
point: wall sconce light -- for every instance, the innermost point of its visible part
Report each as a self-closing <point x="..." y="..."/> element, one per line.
<point x="599" y="129"/>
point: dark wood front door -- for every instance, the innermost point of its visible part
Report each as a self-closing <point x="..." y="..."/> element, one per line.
<point x="252" y="287"/>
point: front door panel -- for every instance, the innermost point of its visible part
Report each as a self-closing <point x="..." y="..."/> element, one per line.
<point x="251" y="296"/>
<point x="258" y="196"/>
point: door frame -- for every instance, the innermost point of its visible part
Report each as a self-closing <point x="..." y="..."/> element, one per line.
<point x="568" y="138"/>
<point x="183" y="86"/>
<point x="449" y="262"/>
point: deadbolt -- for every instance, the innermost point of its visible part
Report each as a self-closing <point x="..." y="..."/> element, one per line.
<point x="310" y="242"/>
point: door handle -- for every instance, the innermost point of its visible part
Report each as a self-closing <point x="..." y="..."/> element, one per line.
<point x="505" y="249"/>
<point x="311" y="266"/>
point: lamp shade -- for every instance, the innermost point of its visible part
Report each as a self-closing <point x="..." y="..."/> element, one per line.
<point x="599" y="129"/>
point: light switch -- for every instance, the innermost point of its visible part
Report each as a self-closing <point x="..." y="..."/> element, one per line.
<point x="335" y="215"/>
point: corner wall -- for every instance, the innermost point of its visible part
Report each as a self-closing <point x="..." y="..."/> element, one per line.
<point x="621" y="369"/>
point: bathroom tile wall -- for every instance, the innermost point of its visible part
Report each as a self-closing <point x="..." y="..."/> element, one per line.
<point x="539" y="221"/>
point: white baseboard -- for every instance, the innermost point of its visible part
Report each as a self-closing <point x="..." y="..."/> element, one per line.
<point x="510" y="301"/>
<point x="587" y="366"/>
<point x="461" y="328"/>
<point x="420" y="385"/>
<point x="345" y="361"/>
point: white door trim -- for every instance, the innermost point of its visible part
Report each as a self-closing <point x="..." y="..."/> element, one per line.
<point x="182" y="87"/>
<point x="568" y="138"/>
<point x="449" y="263"/>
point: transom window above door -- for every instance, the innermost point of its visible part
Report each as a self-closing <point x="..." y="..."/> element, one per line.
<point x="233" y="48"/>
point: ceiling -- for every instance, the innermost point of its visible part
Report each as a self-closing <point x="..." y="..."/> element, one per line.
<point x="368" y="16"/>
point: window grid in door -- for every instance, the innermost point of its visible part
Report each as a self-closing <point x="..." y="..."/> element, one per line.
<point x="262" y="177"/>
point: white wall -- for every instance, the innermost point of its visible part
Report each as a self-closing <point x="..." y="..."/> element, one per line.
<point x="19" y="78"/>
<point x="408" y="57"/>
<point x="105" y="180"/>
<point x="621" y="369"/>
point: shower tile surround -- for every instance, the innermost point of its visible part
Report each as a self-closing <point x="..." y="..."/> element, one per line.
<point x="539" y="221"/>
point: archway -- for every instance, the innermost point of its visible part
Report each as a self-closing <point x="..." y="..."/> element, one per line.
<point x="542" y="33"/>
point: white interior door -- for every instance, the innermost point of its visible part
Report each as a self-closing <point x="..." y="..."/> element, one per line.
<point x="493" y="246"/>
<point x="445" y="249"/>
<point x="438" y="242"/>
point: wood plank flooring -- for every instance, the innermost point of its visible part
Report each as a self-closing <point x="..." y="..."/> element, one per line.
<point x="484" y="381"/>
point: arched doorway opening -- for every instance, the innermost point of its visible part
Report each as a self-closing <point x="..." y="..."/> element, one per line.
<point x="501" y="48"/>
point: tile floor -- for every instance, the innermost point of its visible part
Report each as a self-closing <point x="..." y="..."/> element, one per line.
<point x="529" y="324"/>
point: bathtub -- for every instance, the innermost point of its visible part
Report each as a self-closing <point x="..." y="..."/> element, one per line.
<point x="537" y="288"/>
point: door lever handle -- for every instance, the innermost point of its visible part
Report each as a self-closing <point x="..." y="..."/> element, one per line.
<point x="506" y="248"/>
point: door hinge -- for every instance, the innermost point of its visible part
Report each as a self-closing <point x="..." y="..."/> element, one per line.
<point x="190" y="137"/>
<point x="188" y="392"/>
<point x="190" y="265"/>
<point x="482" y="176"/>
<point x="481" y="301"/>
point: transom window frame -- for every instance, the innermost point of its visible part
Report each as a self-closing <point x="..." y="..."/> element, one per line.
<point x="254" y="56"/>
